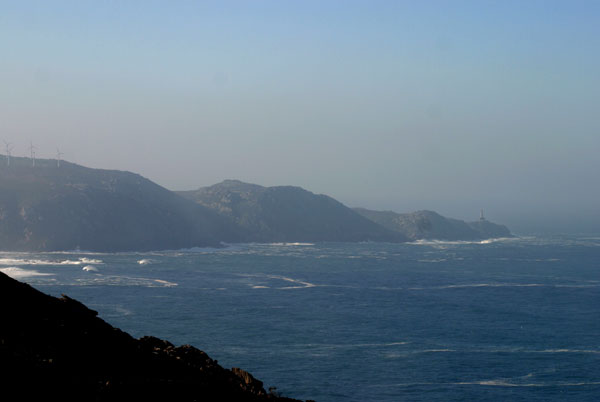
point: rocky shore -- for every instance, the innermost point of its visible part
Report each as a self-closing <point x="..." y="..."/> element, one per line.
<point x="58" y="349"/>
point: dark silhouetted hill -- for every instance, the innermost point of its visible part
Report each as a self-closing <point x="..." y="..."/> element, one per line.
<point x="59" y="350"/>
<point x="288" y="214"/>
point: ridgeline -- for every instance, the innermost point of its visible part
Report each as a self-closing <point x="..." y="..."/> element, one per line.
<point x="288" y="214"/>
<point x="47" y="207"/>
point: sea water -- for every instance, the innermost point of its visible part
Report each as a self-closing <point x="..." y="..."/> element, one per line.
<point x="512" y="319"/>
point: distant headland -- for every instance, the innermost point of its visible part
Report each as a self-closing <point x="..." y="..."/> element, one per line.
<point x="55" y="205"/>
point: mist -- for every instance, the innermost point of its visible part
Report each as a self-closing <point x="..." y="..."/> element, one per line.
<point x="451" y="107"/>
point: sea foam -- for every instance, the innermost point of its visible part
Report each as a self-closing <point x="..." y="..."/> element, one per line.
<point x="19" y="273"/>
<point x="26" y="261"/>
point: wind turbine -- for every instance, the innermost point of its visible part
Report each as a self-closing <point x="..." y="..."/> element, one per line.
<point x="58" y="155"/>
<point x="9" y="148"/>
<point x="32" y="150"/>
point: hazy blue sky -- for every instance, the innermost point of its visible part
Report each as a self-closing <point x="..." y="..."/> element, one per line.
<point x="403" y="105"/>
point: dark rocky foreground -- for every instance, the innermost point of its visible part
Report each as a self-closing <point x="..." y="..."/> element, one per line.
<point x="58" y="349"/>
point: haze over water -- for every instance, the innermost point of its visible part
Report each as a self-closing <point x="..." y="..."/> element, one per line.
<point x="449" y="106"/>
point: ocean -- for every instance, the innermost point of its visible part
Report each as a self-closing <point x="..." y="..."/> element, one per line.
<point x="498" y="320"/>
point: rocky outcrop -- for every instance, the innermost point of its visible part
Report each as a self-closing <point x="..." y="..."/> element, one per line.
<point x="488" y="230"/>
<point x="58" y="349"/>
<point x="431" y="225"/>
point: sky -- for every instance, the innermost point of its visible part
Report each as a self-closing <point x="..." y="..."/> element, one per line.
<point x="451" y="106"/>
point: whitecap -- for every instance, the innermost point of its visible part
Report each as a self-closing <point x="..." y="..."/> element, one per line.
<point x="144" y="261"/>
<point x="349" y="345"/>
<point x="299" y="282"/>
<point x="438" y="242"/>
<point x="503" y="285"/>
<point x="90" y="268"/>
<point x="507" y="383"/>
<point x="25" y="261"/>
<point x="166" y="283"/>
<point x="569" y="351"/>
<point x="291" y="244"/>
<point x="502" y="382"/>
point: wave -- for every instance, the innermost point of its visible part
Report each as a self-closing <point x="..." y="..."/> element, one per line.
<point x="166" y="283"/>
<point x="516" y="350"/>
<point x="193" y="250"/>
<point x="20" y="261"/>
<point x="301" y="284"/>
<point x="508" y="383"/>
<point x="501" y="382"/>
<point x="19" y="273"/>
<point x="592" y="351"/>
<point x="90" y="268"/>
<point x="438" y="242"/>
<point x="115" y="280"/>
<point x="290" y="244"/>
<point x="144" y="261"/>
<point x="292" y="280"/>
<point x="350" y="345"/>
<point x="502" y="285"/>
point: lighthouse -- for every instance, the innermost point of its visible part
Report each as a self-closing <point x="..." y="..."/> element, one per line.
<point x="481" y="218"/>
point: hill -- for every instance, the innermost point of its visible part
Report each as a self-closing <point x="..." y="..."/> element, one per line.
<point x="58" y="349"/>
<point x="431" y="225"/>
<point x="288" y="214"/>
<point x="49" y="208"/>
<point x="69" y="207"/>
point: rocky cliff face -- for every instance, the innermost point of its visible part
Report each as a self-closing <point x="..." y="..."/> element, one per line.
<point x="288" y="214"/>
<point x="431" y="225"/>
<point x="47" y="207"/>
<point x="58" y="349"/>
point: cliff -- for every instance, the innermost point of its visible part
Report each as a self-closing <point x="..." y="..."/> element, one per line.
<point x="58" y="349"/>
